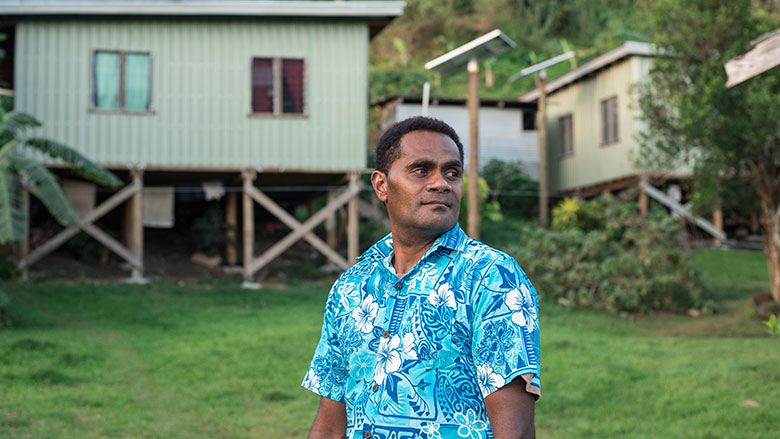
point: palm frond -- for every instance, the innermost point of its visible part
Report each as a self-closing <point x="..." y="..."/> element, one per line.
<point x="12" y="215"/>
<point x="84" y="166"/>
<point x="16" y="121"/>
<point x="46" y="187"/>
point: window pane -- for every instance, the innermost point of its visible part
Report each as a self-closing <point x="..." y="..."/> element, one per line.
<point x="262" y="85"/>
<point x="614" y="118"/>
<point x="106" y="82"/>
<point x="137" y="81"/>
<point x="292" y="86"/>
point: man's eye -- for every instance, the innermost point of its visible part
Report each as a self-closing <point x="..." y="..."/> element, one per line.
<point x="419" y="171"/>
<point x="453" y="173"/>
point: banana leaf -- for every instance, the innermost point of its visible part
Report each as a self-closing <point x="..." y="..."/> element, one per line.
<point x="12" y="214"/>
<point x="46" y="188"/>
<point x="85" y="167"/>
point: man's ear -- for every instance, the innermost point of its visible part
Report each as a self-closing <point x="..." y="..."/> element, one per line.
<point x="379" y="182"/>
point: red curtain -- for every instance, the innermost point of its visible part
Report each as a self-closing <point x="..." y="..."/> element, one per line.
<point x="292" y="86"/>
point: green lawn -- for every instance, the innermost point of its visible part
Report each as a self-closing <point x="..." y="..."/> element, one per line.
<point x="215" y="361"/>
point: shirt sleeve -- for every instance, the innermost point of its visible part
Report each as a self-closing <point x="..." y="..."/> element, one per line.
<point x="505" y="337"/>
<point x="328" y="372"/>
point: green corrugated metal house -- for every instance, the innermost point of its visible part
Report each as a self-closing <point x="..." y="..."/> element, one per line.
<point x="188" y="90"/>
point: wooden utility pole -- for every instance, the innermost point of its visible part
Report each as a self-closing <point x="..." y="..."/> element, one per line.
<point x="24" y="244"/>
<point x="473" y="186"/>
<point x="541" y="127"/>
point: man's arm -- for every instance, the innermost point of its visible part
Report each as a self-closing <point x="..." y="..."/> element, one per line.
<point x="510" y="410"/>
<point x="330" y="421"/>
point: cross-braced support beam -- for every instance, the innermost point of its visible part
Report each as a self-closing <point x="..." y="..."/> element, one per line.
<point x="299" y="230"/>
<point x="133" y="255"/>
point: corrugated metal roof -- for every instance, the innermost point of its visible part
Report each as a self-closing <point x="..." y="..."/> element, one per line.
<point x="355" y="9"/>
<point x="629" y="48"/>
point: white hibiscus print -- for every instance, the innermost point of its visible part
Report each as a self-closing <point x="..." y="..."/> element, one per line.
<point x="488" y="380"/>
<point x="522" y="304"/>
<point x="431" y="430"/>
<point x="388" y="358"/>
<point x="312" y="380"/>
<point x="468" y="424"/>
<point x="365" y="314"/>
<point x="408" y="346"/>
<point x="443" y="296"/>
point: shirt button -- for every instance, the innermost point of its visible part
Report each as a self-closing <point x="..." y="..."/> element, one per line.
<point x="386" y="334"/>
<point x="367" y="434"/>
<point x="399" y="285"/>
<point x="375" y="388"/>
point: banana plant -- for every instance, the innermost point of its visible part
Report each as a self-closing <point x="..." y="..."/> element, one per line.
<point x="21" y="168"/>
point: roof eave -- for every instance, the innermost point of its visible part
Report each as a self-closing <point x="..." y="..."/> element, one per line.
<point x="627" y="49"/>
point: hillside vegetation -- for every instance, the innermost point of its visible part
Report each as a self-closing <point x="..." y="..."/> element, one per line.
<point x="541" y="29"/>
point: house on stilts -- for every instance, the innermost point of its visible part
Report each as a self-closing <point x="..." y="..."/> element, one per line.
<point x="249" y="94"/>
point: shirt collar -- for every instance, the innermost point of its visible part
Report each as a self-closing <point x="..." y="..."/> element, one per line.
<point x="454" y="239"/>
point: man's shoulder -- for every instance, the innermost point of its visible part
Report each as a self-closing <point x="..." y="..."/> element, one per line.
<point x="479" y="251"/>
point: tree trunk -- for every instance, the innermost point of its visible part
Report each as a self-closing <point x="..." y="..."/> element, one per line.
<point x="772" y="248"/>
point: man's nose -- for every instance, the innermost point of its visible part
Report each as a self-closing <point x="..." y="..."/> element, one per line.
<point x="439" y="183"/>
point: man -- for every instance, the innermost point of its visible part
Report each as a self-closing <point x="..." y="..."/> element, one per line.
<point x="431" y="334"/>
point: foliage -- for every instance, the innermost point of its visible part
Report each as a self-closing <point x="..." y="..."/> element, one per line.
<point x="692" y="118"/>
<point x="575" y="213"/>
<point x="622" y="264"/>
<point x="21" y="169"/>
<point x="773" y="325"/>
<point x="514" y="190"/>
<point x="489" y="210"/>
<point x="541" y="29"/>
<point x="209" y="230"/>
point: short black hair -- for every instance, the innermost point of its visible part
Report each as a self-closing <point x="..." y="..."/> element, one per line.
<point x="388" y="149"/>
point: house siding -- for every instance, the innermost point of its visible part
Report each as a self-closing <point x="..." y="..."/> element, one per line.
<point x="591" y="162"/>
<point x="200" y="92"/>
<point x="501" y="134"/>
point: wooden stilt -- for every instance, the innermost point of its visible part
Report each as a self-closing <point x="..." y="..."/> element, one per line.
<point x="231" y="220"/>
<point x="136" y="246"/>
<point x="330" y="226"/>
<point x="353" y="236"/>
<point x="249" y="226"/>
<point x="717" y="221"/>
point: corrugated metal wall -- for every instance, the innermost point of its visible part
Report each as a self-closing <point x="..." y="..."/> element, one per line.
<point x="591" y="161"/>
<point x="201" y="91"/>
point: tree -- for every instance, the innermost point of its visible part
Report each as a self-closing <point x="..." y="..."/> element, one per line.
<point x="693" y="119"/>
<point x="21" y="169"/>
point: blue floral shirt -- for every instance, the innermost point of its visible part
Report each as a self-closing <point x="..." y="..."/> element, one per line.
<point x="414" y="357"/>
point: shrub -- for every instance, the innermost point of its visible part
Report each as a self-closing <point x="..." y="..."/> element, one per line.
<point x="489" y="210"/>
<point x="578" y="214"/>
<point x="512" y="188"/>
<point x="624" y="264"/>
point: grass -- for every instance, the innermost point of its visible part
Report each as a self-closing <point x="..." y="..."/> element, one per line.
<point x="215" y="361"/>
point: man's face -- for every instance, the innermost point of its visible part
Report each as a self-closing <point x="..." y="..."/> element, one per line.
<point x="423" y="187"/>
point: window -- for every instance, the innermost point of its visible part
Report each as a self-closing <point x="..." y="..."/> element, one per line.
<point x="121" y="81"/>
<point x="529" y="120"/>
<point x="567" y="138"/>
<point x="277" y="86"/>
<point x="609" y="122"/>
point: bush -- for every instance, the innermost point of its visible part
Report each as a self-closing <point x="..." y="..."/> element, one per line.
<point x="574" y="213"/>
<point x="512" y="188"/>
<point x="623" y="264"/>
<point x="489" y="210"/>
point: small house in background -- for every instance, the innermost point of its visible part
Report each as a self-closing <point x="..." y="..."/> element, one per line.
<point x="593" y="126"/>
<point x="506" y="128"/>
<point x="251" y="95"/>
